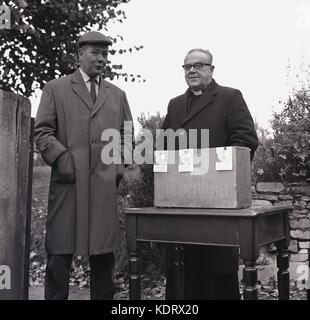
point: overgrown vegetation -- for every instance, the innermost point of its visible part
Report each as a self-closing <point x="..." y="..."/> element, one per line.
<point x="285" y="156"/>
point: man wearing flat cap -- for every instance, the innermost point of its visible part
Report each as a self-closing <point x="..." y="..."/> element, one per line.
<point x="82" y="207"/>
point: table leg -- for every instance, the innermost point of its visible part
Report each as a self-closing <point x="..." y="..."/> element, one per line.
<point x="283" y="274"/>
<point x="178" y="271"/>
<point x="134" y="277"/>
<point x="250" y="280"/>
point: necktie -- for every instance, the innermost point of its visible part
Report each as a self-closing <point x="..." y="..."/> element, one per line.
<point x="93" y="89"/>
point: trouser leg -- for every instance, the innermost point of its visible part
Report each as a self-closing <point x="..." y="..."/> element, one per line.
<point x="227" y="286"/>
<point x="101" y="276"/>
<point x="203" y="286"/>
<point x="193" y="274"/>
<point x="57" y="276"/>
<point x="168" y="260"/>
<point x="201" y="283"/>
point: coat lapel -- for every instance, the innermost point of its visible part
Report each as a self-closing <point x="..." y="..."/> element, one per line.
<point x="81" y="90"/>
<point x="181" y="111"/>
<point x="205" y="101"/>
<point x="103" y="93"/>
<point x="79" y="86"/>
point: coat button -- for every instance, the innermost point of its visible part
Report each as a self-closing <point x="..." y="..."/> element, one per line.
<point x="92" y="171"/>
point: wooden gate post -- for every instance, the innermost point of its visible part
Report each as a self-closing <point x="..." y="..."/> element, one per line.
<point x="15" y="194"/>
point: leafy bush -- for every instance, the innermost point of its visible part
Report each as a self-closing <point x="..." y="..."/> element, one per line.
<point x="140" y="193"/>
<point x="286" y="156"/>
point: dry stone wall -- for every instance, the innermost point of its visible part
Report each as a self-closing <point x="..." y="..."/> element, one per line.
<point x="296" y="195"/>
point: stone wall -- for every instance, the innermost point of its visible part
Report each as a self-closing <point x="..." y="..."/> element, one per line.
<point x="296" y="195"/>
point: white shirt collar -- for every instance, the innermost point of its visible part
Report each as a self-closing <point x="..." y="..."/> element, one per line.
<point x="86" y="77"/>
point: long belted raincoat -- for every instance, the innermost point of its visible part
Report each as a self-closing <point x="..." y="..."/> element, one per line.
<point x="82" y="212"/>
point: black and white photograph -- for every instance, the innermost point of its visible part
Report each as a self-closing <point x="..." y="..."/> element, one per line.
<point x="97" y="95"/>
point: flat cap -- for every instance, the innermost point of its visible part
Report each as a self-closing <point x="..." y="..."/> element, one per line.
<point x="94" y="37"/>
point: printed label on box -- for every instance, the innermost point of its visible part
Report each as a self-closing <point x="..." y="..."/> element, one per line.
<point x="160" y="161"/>
<point x="186" y="160"/>
<point x="224" y="159"/>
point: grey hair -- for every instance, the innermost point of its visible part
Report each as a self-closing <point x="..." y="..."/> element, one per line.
<point x="206" y="52"/>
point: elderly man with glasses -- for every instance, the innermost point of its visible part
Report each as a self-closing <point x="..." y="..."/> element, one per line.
<point x="209" y="272"/>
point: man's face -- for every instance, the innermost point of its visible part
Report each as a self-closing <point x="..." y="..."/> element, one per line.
<point x="198" y="79"/>
<point x="93" y="59"/>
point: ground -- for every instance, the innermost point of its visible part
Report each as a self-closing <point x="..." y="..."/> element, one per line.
<point x="153" y="287"/>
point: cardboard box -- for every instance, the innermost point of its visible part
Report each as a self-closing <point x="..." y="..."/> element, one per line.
<point x="203" y="178"/>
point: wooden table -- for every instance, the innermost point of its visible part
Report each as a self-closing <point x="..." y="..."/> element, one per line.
<point x="248" y="229"/>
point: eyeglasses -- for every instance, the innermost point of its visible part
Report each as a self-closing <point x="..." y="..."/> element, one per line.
<point x="197" y="66"/>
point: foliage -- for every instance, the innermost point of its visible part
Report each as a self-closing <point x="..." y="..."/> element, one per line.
<point x="264" y="163"/>
<point x="292" y="136"/>
<point x="140" y="193"/>
<point x="41" y="44"/>
<point x="151" y="123"/>
<point x="286" y="156"/>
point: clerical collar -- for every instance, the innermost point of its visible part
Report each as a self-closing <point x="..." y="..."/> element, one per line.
<point x="200" y="92"/>
<point x="197" y="93"/>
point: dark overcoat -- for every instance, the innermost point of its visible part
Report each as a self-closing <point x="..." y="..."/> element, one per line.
<point x="82" y="212"/>
<point x="220" y="109"/>
<point x="224" y="112"/>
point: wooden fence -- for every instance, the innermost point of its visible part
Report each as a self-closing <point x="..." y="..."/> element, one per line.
<point x="16" y="149"/>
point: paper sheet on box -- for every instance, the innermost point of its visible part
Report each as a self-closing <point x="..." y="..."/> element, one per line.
<point x="186" y="160"/>
<point x="224" y="159"/>
<point x="161" y="161"/>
